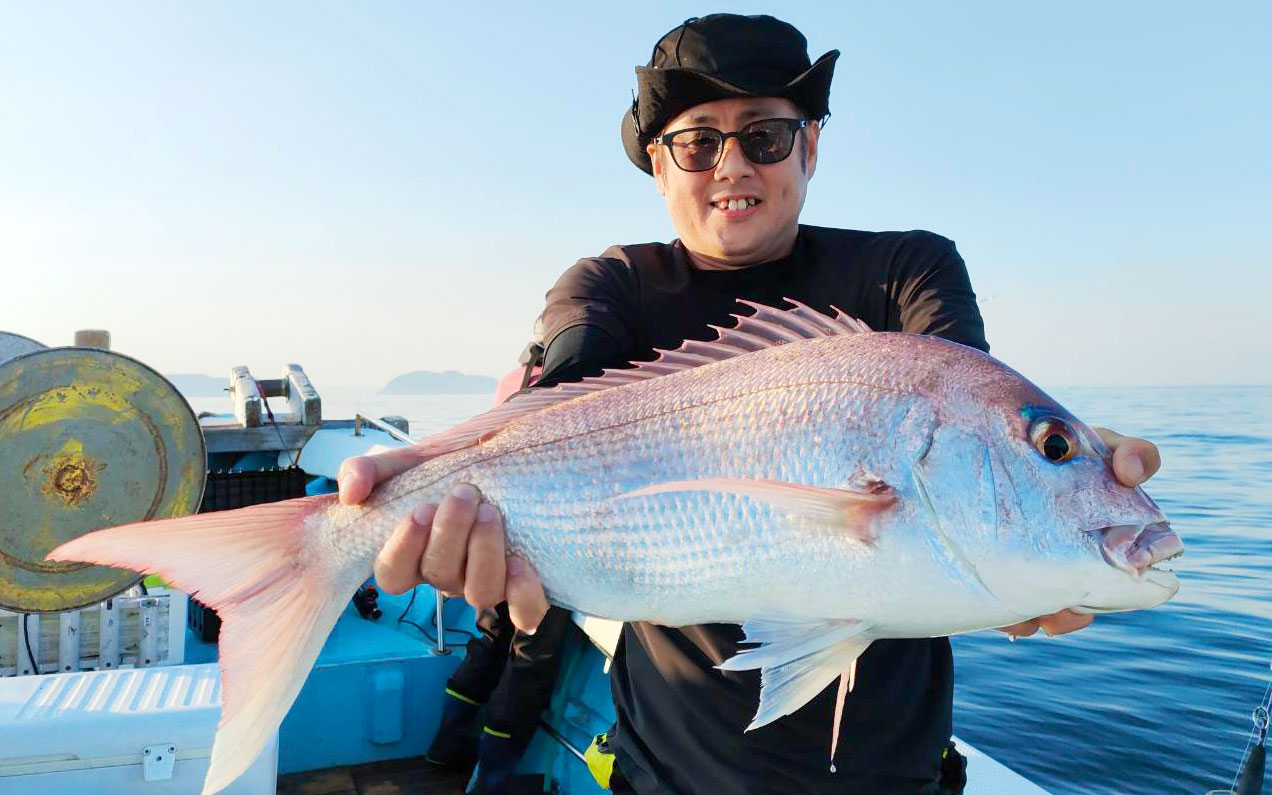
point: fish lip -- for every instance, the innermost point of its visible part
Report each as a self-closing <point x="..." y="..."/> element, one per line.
<point x="1137" y="548"/>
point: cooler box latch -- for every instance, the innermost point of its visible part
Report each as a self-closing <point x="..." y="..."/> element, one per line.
<point x="157" y="761"/>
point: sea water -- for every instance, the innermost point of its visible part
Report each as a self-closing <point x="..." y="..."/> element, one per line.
<point x="1153" y="702"/>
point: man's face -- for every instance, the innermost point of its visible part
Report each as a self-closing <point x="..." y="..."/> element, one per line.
<point x="724" y="238"/>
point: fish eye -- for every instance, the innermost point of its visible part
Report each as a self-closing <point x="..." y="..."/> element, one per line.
<point x="1054" y="439"/>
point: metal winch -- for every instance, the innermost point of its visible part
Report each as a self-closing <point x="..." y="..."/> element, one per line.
<point x="89" y="438"/>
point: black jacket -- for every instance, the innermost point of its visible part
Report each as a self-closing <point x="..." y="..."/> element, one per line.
<point x="679" y="720"/>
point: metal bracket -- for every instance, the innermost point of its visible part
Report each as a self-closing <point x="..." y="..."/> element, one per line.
<point x="157" y="761"/>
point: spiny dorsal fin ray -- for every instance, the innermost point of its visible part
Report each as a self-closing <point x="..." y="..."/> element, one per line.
<point x="767" y="328"/>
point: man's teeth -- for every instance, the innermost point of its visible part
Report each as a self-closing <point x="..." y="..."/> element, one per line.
<point x="735" y="204"/>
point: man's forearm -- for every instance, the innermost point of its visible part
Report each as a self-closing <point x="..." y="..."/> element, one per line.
<point x="579" y="352"/>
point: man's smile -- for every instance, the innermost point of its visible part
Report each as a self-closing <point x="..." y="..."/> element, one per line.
<point x="735" y="206"/>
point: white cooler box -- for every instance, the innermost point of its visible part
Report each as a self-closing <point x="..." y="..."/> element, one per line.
<point x="144" y="731"/>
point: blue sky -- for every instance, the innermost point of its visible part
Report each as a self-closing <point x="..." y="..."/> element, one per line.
<point x="373" y="188"/>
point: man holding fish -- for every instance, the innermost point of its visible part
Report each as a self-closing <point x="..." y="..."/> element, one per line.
<point x="809" y="495"/>
<point x="727" y="121"/>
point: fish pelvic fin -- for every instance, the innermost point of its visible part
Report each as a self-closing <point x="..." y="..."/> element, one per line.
<point x="798" y="658"/>
<point x="849" y="511"/>
<point x="277" y="601"/>
<point x="768" y="327"/>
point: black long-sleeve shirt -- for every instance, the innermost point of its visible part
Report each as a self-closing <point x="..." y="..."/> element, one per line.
<point x="680" y="720"/>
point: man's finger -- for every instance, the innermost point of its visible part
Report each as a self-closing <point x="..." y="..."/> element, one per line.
<point x="397" y="566"/>
<point x="359" y="475"/>
<point x="356" y="479"/>
<point x="1064" y="621"/>
<point x="1134" y="460"/>
<point x="484" y="574"/>
<point x="1022" y="630"/>
<point x="527" y="603"/>
<point x="446" y="556"/>
<point x="1111" y="438"/>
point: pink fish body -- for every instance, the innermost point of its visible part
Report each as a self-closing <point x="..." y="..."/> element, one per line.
<point x="820" y="484"/>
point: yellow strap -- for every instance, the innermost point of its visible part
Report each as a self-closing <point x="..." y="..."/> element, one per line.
<point x="496" y="733"/>
<point x="461" y="697"/>
<point x="601" y="763"/>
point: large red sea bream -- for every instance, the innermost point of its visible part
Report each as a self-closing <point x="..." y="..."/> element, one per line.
<point x="821" y="484"/>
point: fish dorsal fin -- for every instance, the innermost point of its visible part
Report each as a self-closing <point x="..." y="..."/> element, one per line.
<point x="767" y="328"/>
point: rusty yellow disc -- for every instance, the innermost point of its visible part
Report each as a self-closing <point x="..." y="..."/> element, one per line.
<point x="12" y="345"/>
<point x="88" y="439"/>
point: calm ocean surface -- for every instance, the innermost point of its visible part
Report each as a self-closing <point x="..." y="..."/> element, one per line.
<point x="1151" y="702"/>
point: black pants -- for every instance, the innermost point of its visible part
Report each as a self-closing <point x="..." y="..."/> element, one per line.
<point x="511" y="672"/>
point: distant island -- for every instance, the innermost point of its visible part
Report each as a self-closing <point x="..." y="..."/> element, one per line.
<point x="451" y="382"/>
<point x="199" y="385"/>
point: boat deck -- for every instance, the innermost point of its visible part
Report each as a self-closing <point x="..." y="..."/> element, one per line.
<point x="396" y="777"/>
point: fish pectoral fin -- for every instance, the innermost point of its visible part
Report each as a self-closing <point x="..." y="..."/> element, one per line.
<point x="843" y="509"/>
<point x="797" y="658"/>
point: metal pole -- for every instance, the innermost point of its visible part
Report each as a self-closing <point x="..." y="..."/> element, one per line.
<point x="559" y="737"/>
<point x="360" y="419"/>
<point x="441" y="624"/>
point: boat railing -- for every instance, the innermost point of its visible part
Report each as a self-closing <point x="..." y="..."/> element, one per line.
<point x="360" y="419"/>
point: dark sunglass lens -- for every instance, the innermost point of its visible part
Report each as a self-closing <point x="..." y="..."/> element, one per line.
<point x="767" y="141"/>
<point x="695" y="150"/>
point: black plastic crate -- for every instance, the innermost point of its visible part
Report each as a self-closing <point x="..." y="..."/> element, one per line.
<point x="226" y="490"/>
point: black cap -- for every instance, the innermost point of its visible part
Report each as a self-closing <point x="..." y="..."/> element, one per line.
<point x="723" y="56"/>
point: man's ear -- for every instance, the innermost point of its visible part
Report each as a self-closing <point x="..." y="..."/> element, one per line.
<point x="660" y="175"/>
<point x="813" y="131"/>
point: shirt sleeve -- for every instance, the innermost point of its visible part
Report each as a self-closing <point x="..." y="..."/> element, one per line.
<point x="580" y="351"/>
<point x="933" y="293"/>
<point x="598" y="292"/>
<point x="587" y="321"/>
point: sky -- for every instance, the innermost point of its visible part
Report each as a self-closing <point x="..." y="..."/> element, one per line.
<point x="372" y="188"/>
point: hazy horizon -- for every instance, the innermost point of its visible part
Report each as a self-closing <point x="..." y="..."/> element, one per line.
<point x="372" y="190"/>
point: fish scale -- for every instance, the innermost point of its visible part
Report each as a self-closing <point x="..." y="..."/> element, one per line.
<point x="762" y="420"/>
<point x="820" y="485"/>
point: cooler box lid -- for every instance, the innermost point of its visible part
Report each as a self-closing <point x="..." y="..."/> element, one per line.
<point x="107" y="715"/>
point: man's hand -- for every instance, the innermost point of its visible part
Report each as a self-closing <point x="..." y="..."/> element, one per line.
<point x="457" y="546"/>
<point x="1134" y="461"/>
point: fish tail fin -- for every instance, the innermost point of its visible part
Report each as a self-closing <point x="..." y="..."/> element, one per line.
<point x="276" y="592"/>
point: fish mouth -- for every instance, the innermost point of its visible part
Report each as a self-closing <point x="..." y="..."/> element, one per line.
<point x="1137" y="549"/>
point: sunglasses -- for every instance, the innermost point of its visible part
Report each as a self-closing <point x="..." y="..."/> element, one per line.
<point x="762" y="142"/>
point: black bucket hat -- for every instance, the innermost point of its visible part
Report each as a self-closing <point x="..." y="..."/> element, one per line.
<point x="723" y="56"/>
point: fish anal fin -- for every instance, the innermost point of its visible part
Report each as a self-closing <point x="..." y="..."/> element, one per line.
<point x="849" y="510"/>
<point x="847" y="682"/>
<point x="798" y="659"/>
<point x="767" y="327"/>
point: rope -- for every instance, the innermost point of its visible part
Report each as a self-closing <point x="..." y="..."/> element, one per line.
<point x="35" y="664"/>
<point x="265" y="400"/>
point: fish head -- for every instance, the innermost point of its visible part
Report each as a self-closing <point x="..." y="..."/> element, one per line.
<point x="1057" y="528"/>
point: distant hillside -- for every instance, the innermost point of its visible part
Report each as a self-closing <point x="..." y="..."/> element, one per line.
<point x="451" y="382"/>
<point x="198" y="385"/>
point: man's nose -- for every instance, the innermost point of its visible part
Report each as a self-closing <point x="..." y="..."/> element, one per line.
<point x="733" y="164"/>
